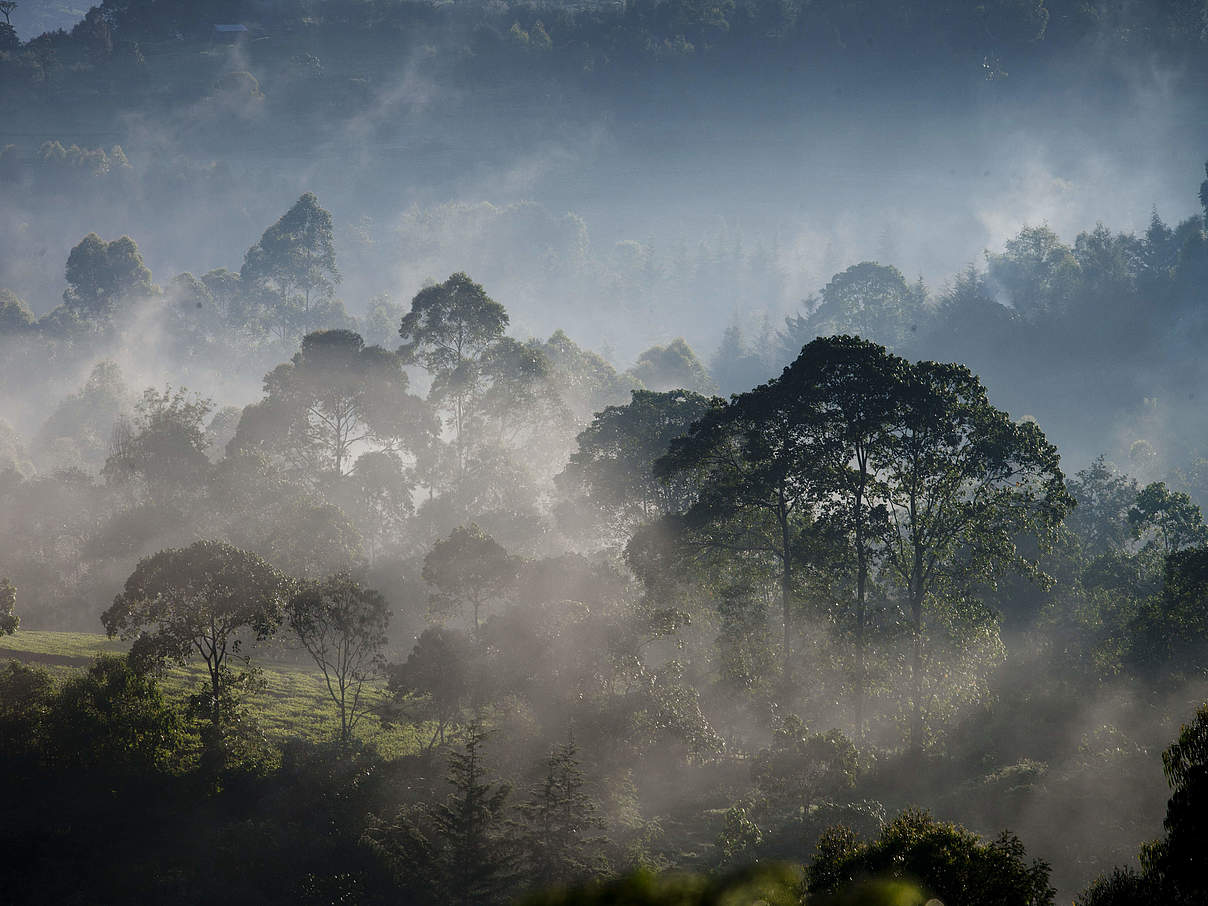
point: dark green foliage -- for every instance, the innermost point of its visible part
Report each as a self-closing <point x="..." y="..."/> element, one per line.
<point x="200" y="600"/>
<point x="1104" y="497"/>
<point x="1170" y="631"/>
<point x="1167" y="518"/>
<point x="555" y="838"/>
<point x="947" y="861"/>
<point x="454" y="851"/>
<point x="115" y="720"/>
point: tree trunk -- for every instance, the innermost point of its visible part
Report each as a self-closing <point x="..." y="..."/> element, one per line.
<point x="861" y="586"/>
<point x="786" y="590"/>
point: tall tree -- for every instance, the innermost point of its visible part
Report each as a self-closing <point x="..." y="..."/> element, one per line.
<point x="101" y="275"/>
<point x="336" y="397"/>
<point x="758" y="488"/>
<point x="292" y="269"/>
<point x="451" y="331"/>
<point x="343" y="628"/>
<point x="963" y="485"/>
<point x="850" y="388"/>
<point x="1170" y="519"/>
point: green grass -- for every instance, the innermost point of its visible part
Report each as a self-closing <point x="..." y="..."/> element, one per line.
<point x="293" y="704"/>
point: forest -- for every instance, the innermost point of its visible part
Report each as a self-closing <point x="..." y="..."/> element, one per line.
<point x="443" y="459"/>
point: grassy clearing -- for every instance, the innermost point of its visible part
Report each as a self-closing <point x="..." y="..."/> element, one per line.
<point x="294" y="702"/>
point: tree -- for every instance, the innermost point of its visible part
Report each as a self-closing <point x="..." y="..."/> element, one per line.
<point x="1172" y="867"/>
<point x="799" y="769"/>
<point x="558" y="819"/>
<point x="757" y="483"/>
<point x="166" y="444"/>
<point x="292" y="269"/>
<point x="114" y="719"/>
<point x="963" y="483"/>
<point x="1037" y="271"/>
<point x="869" y="300"/>
<point x="1169" y="632"/>
<point x="672" y="367"/>
<point x="334" y="397"/>
<point x="613" y="467"/>
<point x="949" y="862"/>
<point x="1103" y="498"/>
<point x="586" y="381"/>
<point x="102" y="275"/>
<point x="468" y="568"/>
<point x="9" y="621"/>
<point x="453" y="852"/>
<point x="850" y="388"/>
<point x="15" y="316"/>
<point x="450" y="331"/>
<point x="1171" y="518"/>
<point x="470" y="822"/>
<point x="203" y="600"/>
<point x="79" y="430"/>
<point x="343" y="628"/>
<point x="436" y="682"/>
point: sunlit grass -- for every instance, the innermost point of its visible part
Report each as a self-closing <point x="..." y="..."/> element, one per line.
<point x="293" y="704"/>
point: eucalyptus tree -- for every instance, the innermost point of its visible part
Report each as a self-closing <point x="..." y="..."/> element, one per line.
<point x="450" y="331"/>
<point x="291" y="271"/>
<point x="334" y="399"/>
<point x="496" y="395"/>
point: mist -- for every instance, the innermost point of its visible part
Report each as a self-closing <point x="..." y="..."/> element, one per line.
<point x="417" y="410"/>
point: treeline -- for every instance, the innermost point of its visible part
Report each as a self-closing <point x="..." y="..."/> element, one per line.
<point x="983" y="41"/>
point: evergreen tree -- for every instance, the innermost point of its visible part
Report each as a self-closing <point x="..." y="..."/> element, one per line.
<point x="469" y="825"/>
<point x="556" y="822"/>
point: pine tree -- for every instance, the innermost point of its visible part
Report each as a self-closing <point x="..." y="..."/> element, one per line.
<point x="557" y="821"/>
<point x="468" y="825"/>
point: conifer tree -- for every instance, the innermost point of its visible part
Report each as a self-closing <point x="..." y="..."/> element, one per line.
<point x="557" y="820"/>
